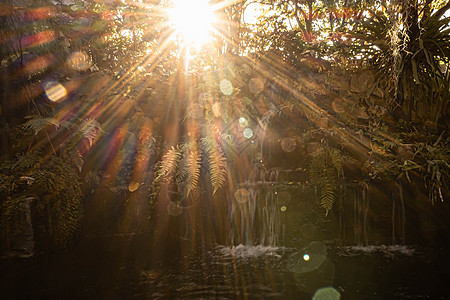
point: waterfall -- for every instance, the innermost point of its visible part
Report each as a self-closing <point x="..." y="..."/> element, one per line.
<point x="361" y="210"/>
<point x="255" y="212"/>
<point x="273" y="175"/>
<point x="271" y="221"/>
<point x="398" y="217"/>
<point x="341" y="213"/>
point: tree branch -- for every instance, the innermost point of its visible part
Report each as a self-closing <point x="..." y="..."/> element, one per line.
<point x="299" y="22"/>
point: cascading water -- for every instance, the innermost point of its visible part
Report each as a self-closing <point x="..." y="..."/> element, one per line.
<point x="361" y="209"/>
<point x="255" y="215"/>
<point x="398" y="217"/>
<point x="367" y="238"/>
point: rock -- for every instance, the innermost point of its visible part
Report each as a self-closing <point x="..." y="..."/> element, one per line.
<point x="361" y="81"/>
<point x="312" y="147"/>
<point x="21" y="244"/>
<point x="339" y="105"/>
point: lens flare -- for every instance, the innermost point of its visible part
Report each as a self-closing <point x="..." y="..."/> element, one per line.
<point x="54" y="91"/>
<point x="256" y="85"/>
<point x="174" y="209"/>
<point x="242" y="195"/>
<point x="80" y="61"/>
<point x="248" y="133"/>
<point x="226" y="87"/>
<point x="195" y="111"/>
<point x="288" y="144"/>
<point x="328" y="293"/>
<point x="216" y="109"/>
<point x="243" y="122"/>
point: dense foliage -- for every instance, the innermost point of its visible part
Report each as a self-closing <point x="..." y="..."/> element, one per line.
<point x="56" y="199"/>
<point x="92" y="89"/>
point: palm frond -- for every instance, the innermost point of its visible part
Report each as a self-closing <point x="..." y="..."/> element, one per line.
<point x="411" y="64"/>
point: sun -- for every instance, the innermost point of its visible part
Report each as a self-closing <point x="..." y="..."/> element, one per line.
<point x="192" y="21"/>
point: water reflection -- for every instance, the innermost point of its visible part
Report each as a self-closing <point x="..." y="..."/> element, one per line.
<point x="306" y="262"/>
<point x="223" y="272"/>
<point x="123" y="266"/>
<point x="245" y="252"/>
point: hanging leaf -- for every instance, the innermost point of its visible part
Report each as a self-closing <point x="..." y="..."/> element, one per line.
<point x="217" y="162"/>
<point x="193" y="164"/>
<point x="169" y="163"/>
<point x="325" y="166"/>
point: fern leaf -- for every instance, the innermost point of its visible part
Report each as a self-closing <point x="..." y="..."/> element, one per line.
<point x="193" y="164"/>
<point x="90" y="129"/>
<point x="38" y="123"/>
<point x="316" y="169"/>
<point x="169" y="163"/>
<point x="181" y="170"/>
<point x="336" y="159"/>
<point x="217" y="162"/>
<point x="323" y="175"/>
<point x="77" y="160"/>
<point x="328" y="191"/>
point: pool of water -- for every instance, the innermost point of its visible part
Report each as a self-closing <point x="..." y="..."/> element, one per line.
<point x="125" y="267"/>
